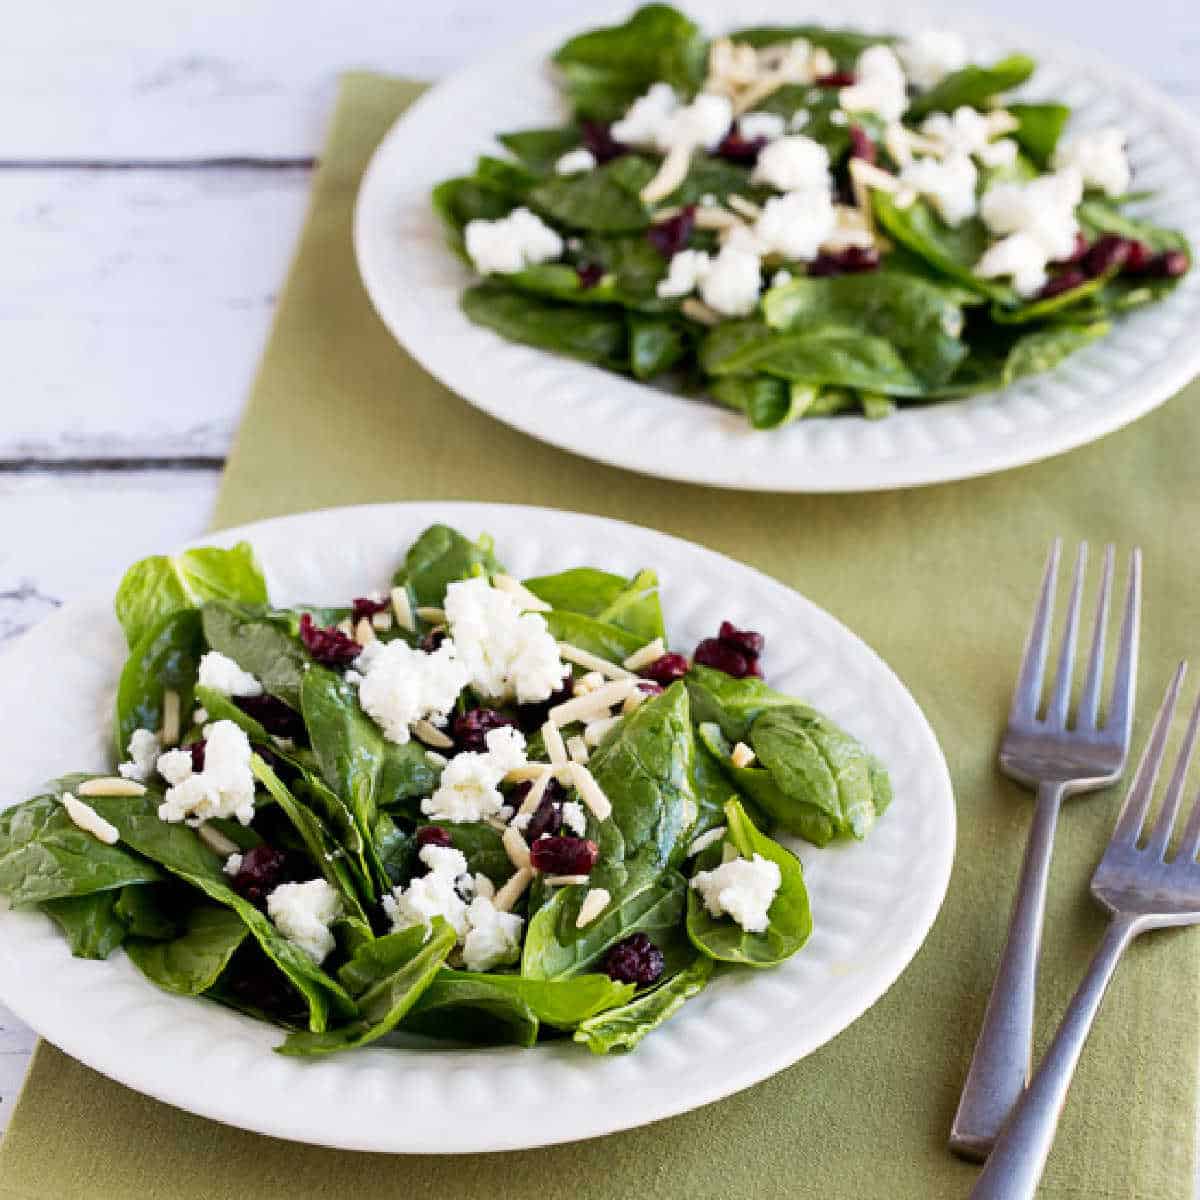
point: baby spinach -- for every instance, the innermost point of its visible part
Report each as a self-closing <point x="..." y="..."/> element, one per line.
<point x="603" y="200"/>
<point x="416" y="957"/>
<point x="973" y="86"/>
<point x="767" y="402"/>
<point x="734" y="704"/>
<point x="599" y="637"/>
<point x="480" y="844"/>
<point x="439" y="557"/>
<point x="146" y="911"/>
<point x="789" y="917"/>
<point x="166" y="658"/>
<point x="1045" y="348"/>
<point x="258" y="645"/>
<point x="190" y="963"/>
<point x="540" y="149"/>
<point x="656" y="344"/>
<point x="622" y="1028"/>
<point x="595" y="335"/>
<point x="156" y="587"/>
<point x="91" y="925"/>
<point x="630" y="604"/>
<point x="464" y="199"/>
<point x="1039" y="126"/>
<point x="844" y="44"/>
<point x="44" y="855"/>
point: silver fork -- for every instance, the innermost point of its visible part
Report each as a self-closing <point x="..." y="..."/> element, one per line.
<point x="1058" y="760"/>
<point x="1142" y="891"/>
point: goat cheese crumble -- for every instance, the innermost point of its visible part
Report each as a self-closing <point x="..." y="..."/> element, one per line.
<point x="469" y="788"/>
<point x="576" y="162"/>
<point x="766" y="125"/>
<point x="506" y="653"/>
<point x="401" y="685"/>
<point x="742" y="889"/>
<point x="733" y="281"/>
<point x="930" y="56"/>
<point x="1099" y="157"/>
<point x="225" y="788"/>
<point x="793" y="163"/>
<point x="948" y="184"/>
<point x="966" y="131"/>
<point x="143" y="750"/>
<point x="797" y="224"/>
<point x="574" y="818"/>
<point x="493" y="938"/>
<point x="303" y="913"/>
<point x="879" y="87"/>
<point x="658" y="121"/>
<point x="512" y="243"/>
<point x="219" y="673"/>
<point x="647" y="117"/>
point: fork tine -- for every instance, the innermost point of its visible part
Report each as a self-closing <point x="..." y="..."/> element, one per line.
<point x="1120" y="711"/>
<point x="1060" y="700"/>
<point x="1028" y="691"/>
<point x="1190" y="842"/>
<point x="1089" y="701"/>
<point x="1160" y="836"/>
<point x="1137" y="801"/>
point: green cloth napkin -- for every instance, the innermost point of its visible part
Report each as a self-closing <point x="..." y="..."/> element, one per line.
<point x="939" y="580"/>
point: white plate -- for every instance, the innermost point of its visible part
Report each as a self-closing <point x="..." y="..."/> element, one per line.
<point x="415" y="283"/>
<point x="872" y="903"/>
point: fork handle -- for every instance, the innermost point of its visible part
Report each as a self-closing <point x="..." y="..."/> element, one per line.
<point x="1003" y="1054"/>
<point x="1016" y="1164"/>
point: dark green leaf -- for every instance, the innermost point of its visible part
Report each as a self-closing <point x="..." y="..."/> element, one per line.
<point x="191" y="963"/>
<point x="844" y="44"/>
<point x="604" y="200"/>
<point x="1039" y="127"/>
<point x="258" y="645"/>
<point x="767" y="402"/>
<point x="91" y="925"/>
<point x="440" y="557"/>
<point x="656" y="344"/>
<point x="167" y="657"/>
<point x="973" y="86"/>
<point x="632" y="604"/>
<point x="540" y="149"/>
<point x="146" y="911"/>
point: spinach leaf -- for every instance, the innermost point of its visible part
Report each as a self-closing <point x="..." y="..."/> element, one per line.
<point x="561" y="282"/>
<point x="600" y="637"/>
<point x="190" y="964"/>
<point x="1046" y="348"/>
<point x="844" y="44"/>
<point x="480" y="844"/>
<point x="144" y="910"/>
<point x="460" y="201"/>
<point x="44" y="855"/>
<point x="221" y="708"/>
<point x="156" y="587"/>
<point x="1098" y="215"/>
<point x="91" y="924"/>
<point x="821" y="125"/>
<point x="1038" y="310"/>
<point x="593" y="334"/>
<point x="604" y="200"/>
<point x="789" y="917"/>
<point x="913" y="314"/>
<point x="708" y="176"/>
<point x="767" y="402"/>
<point x="440" y="557"/>
<point x="505" y="175"/>
<point x="973" y="86"/>
<point x="606" y="69"/>
<point x="1039" y="126"/>
<point x="630" y="604"/>
<point x="733" y="704"/>
<point x="180" y="851"/>
<point x="258" y="645"/>
<point x="656" y="344"/>
<point x="416" y="958"/>
<point x="540" y="149"/>
<point x="167" y="658"/>
<point x="622" y="1028"/>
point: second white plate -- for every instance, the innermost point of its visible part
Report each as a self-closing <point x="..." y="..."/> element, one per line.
<point x="415" y="283"/>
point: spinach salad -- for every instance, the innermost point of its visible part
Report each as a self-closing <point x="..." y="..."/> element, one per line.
<point x="472" y="809"/>
<point x="801" y="221"/>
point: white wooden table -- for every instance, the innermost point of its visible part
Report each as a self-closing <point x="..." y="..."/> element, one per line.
<point x="154" y="163"/>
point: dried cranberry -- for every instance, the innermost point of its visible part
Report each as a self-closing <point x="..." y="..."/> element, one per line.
<point x="670" y="236"/>
<point x="364" y="606"/>
<point x="197" y="752"/>
<point x="533" y="716"/>
<point x="547" y="817"/>
<point x="471" y="728"/>
<point x="721" y="656"/>
<point x="589" y="274"/>
<point x="262" y="870"/>
<point x="861" y="144"/>
<point x="432" y="640"/>
<point x="1108" y="253"/>
<point x="650" y="687"/>
<point x="564" y="855"/>
<point x="738" y="149"/>
<point x="635" y="959"/>
<point x="272" y="714"/>
<point x="1139" y="258"/>
<point x="1171" y="264"/>
<point x="330" y="647"/>
<point x="1064" y="281"/>
<point x="852" y="261"/>
<point x="666" y="670"/>
<point x="598" y="138"/>
<point x="836" y="79"/>
<point x="433" y="835"/>
<point x="745" y="640"/>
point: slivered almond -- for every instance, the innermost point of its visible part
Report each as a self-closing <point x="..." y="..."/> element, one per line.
<point x="90" y="821"/>
<point x="528" y="601"/>
<point x="633" y="701"/>
<point x="364" y="632"/>
<point x="743" y="207"/>
<point x="594" y="732"/>
<point x="590" y="792"/>
<point x="431" y="735"/>
<point x="216" y="841"/>
<point x="671" y="173"/>
<point x="431" y="614"/>
<point x="111" y="787"/>
<point x="564" y="880"/>
<point x="596" y="704"/>
<point x="169" y="735"/>
<point x="516" y="848"/>
<point x="711" y="217"/>
<point x="650" y="652"/>
<point x="699" y="312"/>
<point x="552" y="740"/>
<point x="510" y="893"/>
<point x="591" y="662"/>
<point x="530" y="771"/>
<point x="402" y="608"/>
<point x="742" y="755"/>
<point x="534" y="796"/>
<point x="577" y="749"/>
<point x="382" y="620"/>
<point x="594" y="903"/>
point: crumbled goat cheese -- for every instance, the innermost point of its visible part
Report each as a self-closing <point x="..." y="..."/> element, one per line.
<point x="507" y="653"/>
<point x="796" y="225"/>
<point x="225" y="788"/>
<point x="704" y="122"/>
<point x="1099" y="157"/>
<point x="469" y="786"/>
<point x="879" y="87"/>
<point x="233" y="864"/>
<point x="742" y="889"/>
<point x="220" y="673"/>
<point x="303" y="913"/>
<point x="1021" y="257"/>
<point x="90" y="821"/>
<point x="574" y="818"/>
<point x="143" y="750"/>
<point x="766" y="125"/>
<point x="684" y="274"/>
<point x="948" y="183"/>
<point x="733" y="281"/>
<point x="647" y="117"/>
<point x="966" y="131"/>
<point x="402" y="685"/>
<point x="930" y="56"/>
<point x="512" y="243"/>
<point x="793" y="163"/>
<point x="575" y="162"/>
<point x="432" y="895"/>
<point x="493" y="938"/>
